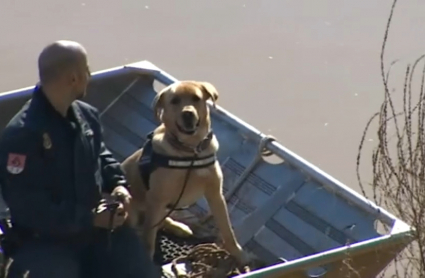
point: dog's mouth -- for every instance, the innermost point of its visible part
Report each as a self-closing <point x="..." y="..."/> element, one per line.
<point x="187" y="130"/>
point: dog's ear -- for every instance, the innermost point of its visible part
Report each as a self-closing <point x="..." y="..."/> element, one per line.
<point x="210" y="90"/>
<point x="158" y="104"/>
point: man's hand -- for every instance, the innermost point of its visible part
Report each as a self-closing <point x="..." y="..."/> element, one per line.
<point x="121" y="194"/>
<point x="102" y="217"/>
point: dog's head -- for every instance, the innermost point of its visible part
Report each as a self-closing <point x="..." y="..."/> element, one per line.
<point x="184" y="106"/>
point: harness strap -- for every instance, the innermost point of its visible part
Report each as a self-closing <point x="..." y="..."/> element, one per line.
<point x="150" y="160"/>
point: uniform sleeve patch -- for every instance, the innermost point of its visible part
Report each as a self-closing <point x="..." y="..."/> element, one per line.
<point x="16" y="163"/>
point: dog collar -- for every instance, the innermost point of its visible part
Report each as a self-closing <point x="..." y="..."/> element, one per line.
<point x="183" y="162"/>
<point x="202" y="146"/>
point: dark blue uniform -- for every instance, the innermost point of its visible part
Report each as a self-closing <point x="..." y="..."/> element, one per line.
<point x="52" y="171"/>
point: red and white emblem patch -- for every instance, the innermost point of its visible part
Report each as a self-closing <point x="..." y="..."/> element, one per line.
<point x="16" y="163"/>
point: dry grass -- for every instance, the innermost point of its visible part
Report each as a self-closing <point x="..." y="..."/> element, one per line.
<point x="398" y="159"/>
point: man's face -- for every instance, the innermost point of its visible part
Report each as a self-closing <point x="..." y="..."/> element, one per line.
<point x="78" y="78"/>
<point x="83" y="78"/>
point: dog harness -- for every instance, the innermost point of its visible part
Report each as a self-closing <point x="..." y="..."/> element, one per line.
<point x="150" y="160"/>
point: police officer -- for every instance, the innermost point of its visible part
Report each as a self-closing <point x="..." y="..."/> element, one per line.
<point x="58" y="180"/>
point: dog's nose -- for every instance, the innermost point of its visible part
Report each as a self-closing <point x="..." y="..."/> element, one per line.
<point x="187" y="117"/>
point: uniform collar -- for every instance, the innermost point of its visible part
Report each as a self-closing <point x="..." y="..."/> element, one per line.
<point x="40" y="98"/>
<point x="85" y="127"/>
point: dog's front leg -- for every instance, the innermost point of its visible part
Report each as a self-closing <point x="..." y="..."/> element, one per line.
<point x="218" y="207"/>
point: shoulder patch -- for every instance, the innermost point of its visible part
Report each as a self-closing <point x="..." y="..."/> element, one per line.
<point x="16" y="163"/>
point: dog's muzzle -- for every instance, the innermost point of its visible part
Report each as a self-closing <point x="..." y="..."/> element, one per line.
<point x="186" y="130"/>
<point x="190" y="125"/>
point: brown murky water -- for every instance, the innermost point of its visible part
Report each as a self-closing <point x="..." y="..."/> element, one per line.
<point x="307" y="72"/>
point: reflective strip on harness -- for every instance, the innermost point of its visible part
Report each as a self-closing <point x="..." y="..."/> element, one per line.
<point x="200" y="162"/>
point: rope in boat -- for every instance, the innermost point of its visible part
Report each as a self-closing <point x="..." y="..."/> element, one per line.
<point x="208" y="261"/>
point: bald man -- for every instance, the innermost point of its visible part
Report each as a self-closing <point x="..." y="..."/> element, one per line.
<point x="60" y="181"/>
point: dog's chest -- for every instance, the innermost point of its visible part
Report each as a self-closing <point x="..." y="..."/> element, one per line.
<point x="173" y="182"/>
<point x="199" y="178"/>
<point x="203" y="172"/>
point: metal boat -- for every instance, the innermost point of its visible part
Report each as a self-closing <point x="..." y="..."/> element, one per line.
<point x="298" y="219"/>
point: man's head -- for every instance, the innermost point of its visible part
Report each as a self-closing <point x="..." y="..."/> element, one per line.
<point x="63" y="64"/>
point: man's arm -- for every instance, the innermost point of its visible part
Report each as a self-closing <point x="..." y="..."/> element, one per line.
<point x="25" y="187"/>
<point x="112" y="173"/>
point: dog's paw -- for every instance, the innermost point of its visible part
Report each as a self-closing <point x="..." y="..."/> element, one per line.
<point x="244" y="258"/>
<point x="248" y="258"/>
<point x="178" y="228"/>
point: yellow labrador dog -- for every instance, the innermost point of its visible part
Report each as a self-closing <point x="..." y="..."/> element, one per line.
<point x="177" y="165"/>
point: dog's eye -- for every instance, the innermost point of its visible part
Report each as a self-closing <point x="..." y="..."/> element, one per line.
<point x="196" y="98"/>
<point x="175" y="100"/>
